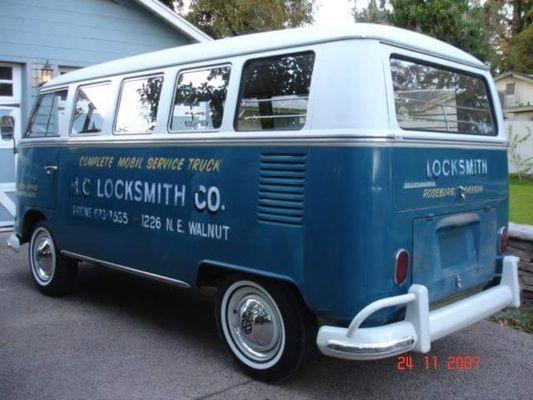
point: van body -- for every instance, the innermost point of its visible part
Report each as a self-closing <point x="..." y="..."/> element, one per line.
<point x="354" y="179"/>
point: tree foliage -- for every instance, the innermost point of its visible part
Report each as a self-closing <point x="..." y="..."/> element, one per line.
<point x="510" y="22"/>
<point x="222" y="18"/>
<point x="458" y="22"/>
<point x="495" y="31"/>
<point x="520" y="56"/>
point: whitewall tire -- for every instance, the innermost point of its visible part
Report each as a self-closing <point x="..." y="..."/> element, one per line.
<point x="265" y="326"/>
<point x="52" y="273"/>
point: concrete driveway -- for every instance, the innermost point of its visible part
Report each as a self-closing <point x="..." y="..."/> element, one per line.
<point x="121" y="337"/>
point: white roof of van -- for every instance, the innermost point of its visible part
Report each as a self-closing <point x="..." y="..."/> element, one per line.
<point x="267" y="41"/>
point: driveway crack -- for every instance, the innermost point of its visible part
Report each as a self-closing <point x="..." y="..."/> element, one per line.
<point x="210" y="395"/>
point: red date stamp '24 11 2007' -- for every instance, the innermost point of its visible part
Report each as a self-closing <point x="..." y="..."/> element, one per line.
<point x="434" y="363"/>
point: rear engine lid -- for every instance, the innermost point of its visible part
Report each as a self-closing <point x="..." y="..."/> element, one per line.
<point x="429" y="177"/>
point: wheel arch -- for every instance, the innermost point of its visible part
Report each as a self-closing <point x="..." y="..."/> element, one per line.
<point x="212" y="273"/>
<point x="30" y="218"/>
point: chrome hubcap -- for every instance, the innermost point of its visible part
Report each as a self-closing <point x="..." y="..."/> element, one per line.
<point x="43" y="256"/>
<point x="255" y="324"/>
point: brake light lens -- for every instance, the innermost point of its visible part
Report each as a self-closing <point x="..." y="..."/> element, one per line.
<point x="503" y="239"/>
<point x="401" y="267"/>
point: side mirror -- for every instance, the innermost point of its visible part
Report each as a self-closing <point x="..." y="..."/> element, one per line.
<point x="7" y="127"/>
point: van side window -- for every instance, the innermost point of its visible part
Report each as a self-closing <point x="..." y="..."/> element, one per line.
<point x="49" y="117"/>
<point x="199" y="100"/>
<point x="275" y="92"/>
<point x="93" y="106"/>
<point x="139" y="101"/>
<point x="430" y="98"/>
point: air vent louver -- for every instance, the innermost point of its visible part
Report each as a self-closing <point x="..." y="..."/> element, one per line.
<point x="281" y="188"/>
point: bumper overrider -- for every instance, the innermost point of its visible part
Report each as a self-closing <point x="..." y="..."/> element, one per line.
<point x="13" y="242"/>
<point x="420" y="326"/>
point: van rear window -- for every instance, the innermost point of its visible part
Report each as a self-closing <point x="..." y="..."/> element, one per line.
<point x="430" y="98"/>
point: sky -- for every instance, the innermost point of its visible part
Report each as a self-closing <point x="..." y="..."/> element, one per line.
<point x="334" y="12"/>
<point x="329" y="12"/>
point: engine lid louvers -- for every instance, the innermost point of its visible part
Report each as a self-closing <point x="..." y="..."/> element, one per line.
<point x="281" y="188"/>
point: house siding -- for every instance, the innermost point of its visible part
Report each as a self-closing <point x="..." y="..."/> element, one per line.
<point x="523" y="92"/>
<point x="70" y="33"/>
<point x="77" y="33"/>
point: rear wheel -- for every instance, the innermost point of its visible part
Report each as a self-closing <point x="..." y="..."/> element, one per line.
<point x="266" y="327"/>
<point x="52" y="273"/>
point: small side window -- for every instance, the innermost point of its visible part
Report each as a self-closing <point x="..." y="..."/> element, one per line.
<point x="199" y="100"/>
<point x="275" y="92"/>
<point x="93" y="106"/>
<point x="139" y="102"/>
<point x="49" y="116"/>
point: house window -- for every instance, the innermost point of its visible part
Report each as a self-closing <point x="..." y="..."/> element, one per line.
<point x="6" y="81"/>
<point x="510" y="88"/>
<point x="432" y="98"/>
<point x="93" y="106"/>
<point x="49" y="116"/>
<point x="139" y="102"/>
<point x="199" y="100"/>
<point x="275" y="92"/>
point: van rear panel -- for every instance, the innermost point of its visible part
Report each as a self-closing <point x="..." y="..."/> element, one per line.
<point x="452" y="251"/>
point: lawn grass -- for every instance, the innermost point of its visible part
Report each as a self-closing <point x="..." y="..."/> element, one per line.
<point x="521" y="201"/>
<point x="521" y="319"/>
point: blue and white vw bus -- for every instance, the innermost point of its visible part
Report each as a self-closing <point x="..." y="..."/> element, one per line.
<point x="344" y="190"/>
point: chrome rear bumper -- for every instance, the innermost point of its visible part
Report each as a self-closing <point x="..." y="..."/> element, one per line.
<point x="13" y="243"/>
<point x="420" y="326"/>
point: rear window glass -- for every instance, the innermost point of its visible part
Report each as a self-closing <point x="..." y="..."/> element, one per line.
<point x="139" y="102"/>
<point x="275" y="93"/>
<point x="429" y="98"/>
<point x="49" y="117"/>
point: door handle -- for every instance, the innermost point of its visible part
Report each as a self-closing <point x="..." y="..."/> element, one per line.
<point x="50" y="169"/>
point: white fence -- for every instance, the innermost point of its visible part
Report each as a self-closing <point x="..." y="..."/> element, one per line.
<point x="525" y="149"/>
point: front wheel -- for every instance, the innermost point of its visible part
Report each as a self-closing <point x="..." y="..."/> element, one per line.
<point x="52" y="273"/>
<point x="266" y="327"/>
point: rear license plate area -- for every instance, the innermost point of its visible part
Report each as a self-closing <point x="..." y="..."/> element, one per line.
<point x="452" y="253"/>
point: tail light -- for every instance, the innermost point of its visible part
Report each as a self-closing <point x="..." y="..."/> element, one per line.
<point x="503" y="240"/>
<point x="401" y="267"/>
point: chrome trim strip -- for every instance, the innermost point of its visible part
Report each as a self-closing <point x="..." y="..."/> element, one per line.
<point x="322" y="141"/>
<point x="119" y="267"/>
<point x="387" y="348"/>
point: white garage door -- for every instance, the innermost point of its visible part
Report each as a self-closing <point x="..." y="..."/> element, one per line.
<point x="10" y="94"/>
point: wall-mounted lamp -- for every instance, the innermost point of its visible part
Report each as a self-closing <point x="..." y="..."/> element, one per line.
<point x="47" y="73"/>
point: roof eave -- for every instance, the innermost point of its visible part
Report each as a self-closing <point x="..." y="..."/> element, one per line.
<point x="518" y="109"/>
<point x="175" y="20"/>
<point x="515" y="75"/>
